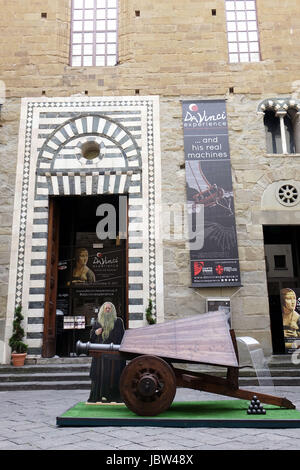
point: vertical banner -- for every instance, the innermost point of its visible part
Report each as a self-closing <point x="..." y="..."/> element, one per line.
<point x="213" y="245"/>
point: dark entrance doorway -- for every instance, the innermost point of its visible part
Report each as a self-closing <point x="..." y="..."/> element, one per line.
<point x="90" y="270"/>
<point x="282" y="254"/>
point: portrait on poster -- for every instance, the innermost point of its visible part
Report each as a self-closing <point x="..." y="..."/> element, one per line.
<point x="290" y="308"/>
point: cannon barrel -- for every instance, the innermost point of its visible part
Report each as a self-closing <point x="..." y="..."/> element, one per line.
<point x="85" y="348"/>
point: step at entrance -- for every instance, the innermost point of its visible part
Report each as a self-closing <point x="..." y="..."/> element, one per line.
<point x="47" y="374"/>
<point x="73" y="373"/>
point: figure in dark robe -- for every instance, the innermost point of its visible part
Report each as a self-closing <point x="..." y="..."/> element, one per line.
<point x="106" y="370"/>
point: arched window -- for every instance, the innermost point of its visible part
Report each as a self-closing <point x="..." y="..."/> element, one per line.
<point x="273" y="130"/>
<point x="282" y="125"/>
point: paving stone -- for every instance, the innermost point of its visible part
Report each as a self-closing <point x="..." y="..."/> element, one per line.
<point x="92" y="445"/>
<point x="38" y="421"/>
<point x="7" y="445"/>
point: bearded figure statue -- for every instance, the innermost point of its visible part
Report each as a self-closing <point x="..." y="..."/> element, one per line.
<point x="106" y="370"/>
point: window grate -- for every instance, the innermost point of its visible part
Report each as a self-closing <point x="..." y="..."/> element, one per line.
<point x="288" y="195"/>
<point x="94" y="33"/>
<point x="242" y="31"/>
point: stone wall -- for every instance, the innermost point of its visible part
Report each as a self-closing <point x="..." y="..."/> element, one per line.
<point x="173" y="48"/>
<point x="176" y="50"/>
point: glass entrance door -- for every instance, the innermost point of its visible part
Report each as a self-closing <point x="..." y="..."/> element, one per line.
<point x="91" y="270"/>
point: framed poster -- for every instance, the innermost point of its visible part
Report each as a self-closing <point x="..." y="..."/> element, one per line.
<point x="97" y="263"/>
<point x="290" y="308"/>
<point x="98" y="275"/>
<point x="219" y="304"/>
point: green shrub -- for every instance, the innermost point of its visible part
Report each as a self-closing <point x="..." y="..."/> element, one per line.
<point x="150" y="319"/>
<point x="16" y="340"/>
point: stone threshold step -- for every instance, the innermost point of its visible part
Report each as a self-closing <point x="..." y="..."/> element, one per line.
<point x="51" y="369"/>
<point x="43" y="377"/>
<point x="44" y="386"/>
<point x="58" y="360"/>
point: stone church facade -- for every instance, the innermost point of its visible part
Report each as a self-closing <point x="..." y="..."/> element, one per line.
<point x="127" y="103"/>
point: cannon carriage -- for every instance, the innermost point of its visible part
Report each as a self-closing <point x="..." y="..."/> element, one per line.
<point x="149" y="381"/>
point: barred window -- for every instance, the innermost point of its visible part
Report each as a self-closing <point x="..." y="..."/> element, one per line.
<point x="94" y="29"/>
<point x="242" y="31"/>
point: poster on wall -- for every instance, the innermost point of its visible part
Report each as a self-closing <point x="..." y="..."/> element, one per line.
<point x="220" y="304"/>
<point x="290" y="308"/>
<point x="90" y="273"/>
<point x="97" y="263"/>
<point x="213" y="242"/>
<point x="97" y="275"/>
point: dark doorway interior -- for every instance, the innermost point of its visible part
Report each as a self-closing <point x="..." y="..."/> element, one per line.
<point x="91" y="270"/>
<point x="282" y="252"/>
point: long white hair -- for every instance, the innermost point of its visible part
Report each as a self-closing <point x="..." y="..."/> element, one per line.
<point x="107" y="320"/>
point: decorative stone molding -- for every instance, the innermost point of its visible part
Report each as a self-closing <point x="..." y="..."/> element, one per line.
<point x="53" y="132"/>
<point x="279" y="105"/>
<point x="287" y="194"/>
<point x="281" y="196"/>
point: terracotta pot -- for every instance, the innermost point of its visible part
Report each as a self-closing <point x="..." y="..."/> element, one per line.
<point x="18" y="359"/>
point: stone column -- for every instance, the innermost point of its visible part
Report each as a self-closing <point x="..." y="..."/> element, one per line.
<point x="281" y="115"/>
<point x="296" y="130"/>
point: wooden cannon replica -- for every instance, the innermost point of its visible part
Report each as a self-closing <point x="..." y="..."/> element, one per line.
<point x="148" y="382"/>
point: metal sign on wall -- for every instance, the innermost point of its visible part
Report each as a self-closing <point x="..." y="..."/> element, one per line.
<point x="214" y="261"/>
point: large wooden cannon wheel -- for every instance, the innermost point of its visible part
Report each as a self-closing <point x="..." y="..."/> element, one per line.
<point x="148" y="385"/>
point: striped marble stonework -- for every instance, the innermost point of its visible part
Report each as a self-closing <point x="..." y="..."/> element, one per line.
<point x="123" y="133"/>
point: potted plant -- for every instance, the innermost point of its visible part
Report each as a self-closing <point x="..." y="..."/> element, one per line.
<point x="149" y="316"/>
<point x="19" y="348"/>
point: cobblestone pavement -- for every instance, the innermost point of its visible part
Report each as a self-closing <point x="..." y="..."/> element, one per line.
<point x="28" y="422"/>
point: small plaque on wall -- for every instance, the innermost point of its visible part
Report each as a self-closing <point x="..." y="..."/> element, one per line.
<point x="279" y="261"/>
<point x="219" y="304"/>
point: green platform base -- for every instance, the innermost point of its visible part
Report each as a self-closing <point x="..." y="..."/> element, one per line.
<point x="221" y="413"/>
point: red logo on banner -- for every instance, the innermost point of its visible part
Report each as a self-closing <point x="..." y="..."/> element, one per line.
<point x="193" y="107"/>
<point x="219" y="269"/>
<point x="198" y="265"/>
<point x="99" y="255"/>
